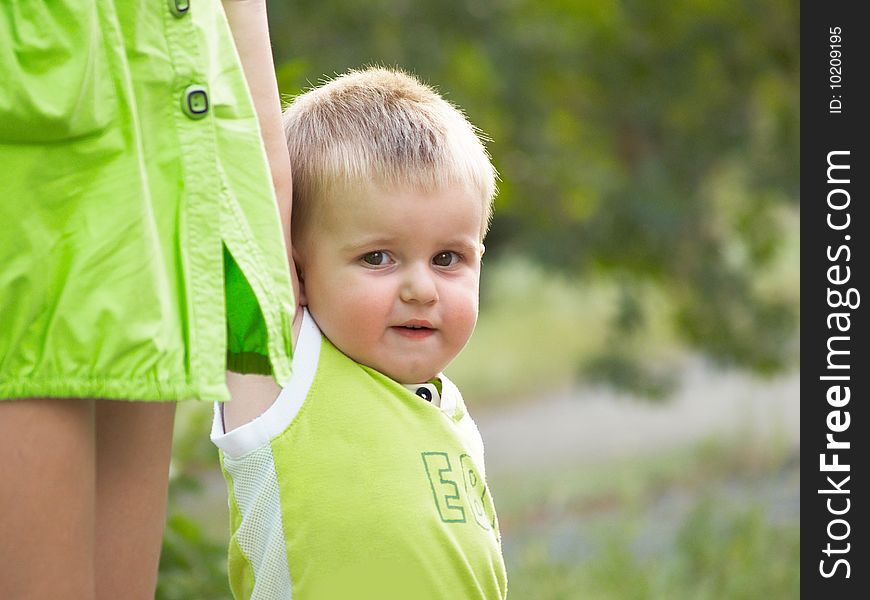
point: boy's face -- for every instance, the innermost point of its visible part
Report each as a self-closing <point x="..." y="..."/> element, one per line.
<point x="391" y="278"/>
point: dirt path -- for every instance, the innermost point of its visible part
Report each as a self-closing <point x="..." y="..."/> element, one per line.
<point x="591" y="425"/>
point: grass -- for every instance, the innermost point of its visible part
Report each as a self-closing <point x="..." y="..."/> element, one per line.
<point x="705" y="524"/>
<point x="728" y="555"/>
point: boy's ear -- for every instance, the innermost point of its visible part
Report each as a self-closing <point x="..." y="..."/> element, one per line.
<point x="297" y="263"/>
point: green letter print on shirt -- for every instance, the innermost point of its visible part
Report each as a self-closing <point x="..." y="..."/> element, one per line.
<point x="444" y="488"/>
<point x="451" y="506"/>
<point x="477" y="494"/>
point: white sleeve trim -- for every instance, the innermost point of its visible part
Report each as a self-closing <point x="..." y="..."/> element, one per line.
<point x="276" y="418"/>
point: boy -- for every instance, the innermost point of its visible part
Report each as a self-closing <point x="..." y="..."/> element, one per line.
<point x="365" y="477"/>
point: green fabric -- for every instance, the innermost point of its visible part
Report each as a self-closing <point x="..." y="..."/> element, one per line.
<point x="381" y="494"/>
<point x="117" y="206"/>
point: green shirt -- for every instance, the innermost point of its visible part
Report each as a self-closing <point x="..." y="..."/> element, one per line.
<point x="351" y="486"/>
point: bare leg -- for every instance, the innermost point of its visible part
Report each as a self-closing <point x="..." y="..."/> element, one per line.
<point x="47" y="498"/>
<point x="134" y="440"/>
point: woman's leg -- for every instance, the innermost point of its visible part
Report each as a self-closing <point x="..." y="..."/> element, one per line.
<point x="134" y="440"/>
<point x="47" y="499"/>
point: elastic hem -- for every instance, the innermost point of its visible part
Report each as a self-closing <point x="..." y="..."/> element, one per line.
<point x="115" y="389"/>
<point x="249" y="362"/>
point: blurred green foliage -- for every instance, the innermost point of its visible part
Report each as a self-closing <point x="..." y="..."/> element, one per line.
<point x="656" y="141"/>
<point x="566" y="322"/>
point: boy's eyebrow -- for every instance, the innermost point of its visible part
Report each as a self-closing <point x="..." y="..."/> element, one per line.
<point x="465" y="244"/>
<point x="460" y="243"/>
<point x="367" y="243"/>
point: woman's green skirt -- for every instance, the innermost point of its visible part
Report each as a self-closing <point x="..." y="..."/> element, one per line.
<point x="141" y="252"/>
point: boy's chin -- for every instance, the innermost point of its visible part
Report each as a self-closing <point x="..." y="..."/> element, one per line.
<point x="412" y="379"/>
<point x="410" y="376"/>
<point x="405" y="368"/>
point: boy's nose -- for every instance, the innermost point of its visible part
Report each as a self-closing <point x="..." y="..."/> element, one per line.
<point x="418" y="286"/>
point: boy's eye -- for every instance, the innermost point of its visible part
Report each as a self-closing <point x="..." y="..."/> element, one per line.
<point x="445" y="259"/>
<point x="379" y="258"/>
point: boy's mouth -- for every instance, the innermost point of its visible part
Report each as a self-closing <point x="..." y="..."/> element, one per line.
<point x="414" y="329"/>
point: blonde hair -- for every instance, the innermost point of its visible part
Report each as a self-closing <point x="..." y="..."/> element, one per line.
<point x="385" y="127"/>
